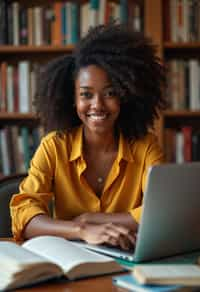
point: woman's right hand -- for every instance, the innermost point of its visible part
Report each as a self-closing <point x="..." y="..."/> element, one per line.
<point x="108" y="233"/>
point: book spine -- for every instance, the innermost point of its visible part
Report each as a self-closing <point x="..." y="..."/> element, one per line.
<point x="94" y="12"/>
<point x="4" y="152"/>
<point x="3" y="22"/>
<point x="15" y="149"/>
<point x="84" y="19"/>
<point x="194" y="77"/>
<point x="38" y="37"/>
<point x="24" y="86"/>
<point x="179" y="147"/>
<point x="23" y="26"/>
<point x="10" y="89"/>
<point x="10" y="24"/>
<point x="15" y="9"/>
<point x="166" y="19"/>
<point x="48" y="19"/>
<point x="26" y="147"/>
<point x="74" y="23"/>
<point x="124" y="11"/>
<point x="16" y="89"/>
<point x="102" y="11"/>
<point x="173" y="22"/>
<point x="21" y="159"/>
<point x="57" y="25"/>
<point x="196" y="146"/>
<point x="10" y="147"/>
<point x="3" y="97"/>
<point x="137" y="17"/>
<point x="187" y="148"/>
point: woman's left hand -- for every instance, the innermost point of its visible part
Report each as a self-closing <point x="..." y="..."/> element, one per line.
<point x="118" y="219"/>
<point x="91" y="218"/>
<point x="123" y="218"/>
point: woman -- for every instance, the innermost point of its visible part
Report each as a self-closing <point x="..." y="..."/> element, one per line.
<point x="101" y="102"/>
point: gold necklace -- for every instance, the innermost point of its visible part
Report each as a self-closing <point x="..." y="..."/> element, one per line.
<point x="100" y="180"/>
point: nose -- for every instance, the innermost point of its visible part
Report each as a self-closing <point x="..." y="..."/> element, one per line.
<point x="97" y="101"/>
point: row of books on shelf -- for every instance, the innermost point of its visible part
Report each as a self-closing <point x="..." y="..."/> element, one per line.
<point x="17" y="145"/>
<point x="184" y="84"/>
<point x="182" y="145"/>
<point x="61" y="22"/>
<point x="17" y="86"/>
<point x="181" y="20"/>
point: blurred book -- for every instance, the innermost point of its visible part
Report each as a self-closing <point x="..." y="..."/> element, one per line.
<point x="168" y="274"/>
<point x="130" y="283"/>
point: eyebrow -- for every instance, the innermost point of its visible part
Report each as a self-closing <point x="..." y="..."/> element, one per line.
<point x="89" y="87"/>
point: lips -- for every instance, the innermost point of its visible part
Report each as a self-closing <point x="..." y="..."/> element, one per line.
<point x="97" y="117"/>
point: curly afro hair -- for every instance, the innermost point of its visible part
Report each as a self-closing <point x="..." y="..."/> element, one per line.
<point x="135" y="72"/>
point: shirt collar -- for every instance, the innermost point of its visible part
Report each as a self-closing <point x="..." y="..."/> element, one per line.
<point x="77" y="142"/>
<point x="124" y="151"/>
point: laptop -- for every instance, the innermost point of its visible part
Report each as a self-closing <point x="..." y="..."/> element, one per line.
<point x="170" y="221"/>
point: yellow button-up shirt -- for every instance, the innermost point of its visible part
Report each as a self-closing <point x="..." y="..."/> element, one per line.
<point x="56" y="172"/>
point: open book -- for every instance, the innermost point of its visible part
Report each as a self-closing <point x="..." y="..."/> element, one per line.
<point x="46" y="257"/>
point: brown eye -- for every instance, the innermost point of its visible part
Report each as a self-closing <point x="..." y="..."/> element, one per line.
<point x="86" y="94"/>
<point x="110" y="93"/>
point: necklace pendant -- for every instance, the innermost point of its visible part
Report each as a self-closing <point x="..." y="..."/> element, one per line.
<point x="100" y="180"/>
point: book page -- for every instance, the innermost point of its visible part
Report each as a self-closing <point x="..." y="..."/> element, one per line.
<point x="63" y="252"/>
<point x="20" y="266"/>
<point x="14" y="256"/>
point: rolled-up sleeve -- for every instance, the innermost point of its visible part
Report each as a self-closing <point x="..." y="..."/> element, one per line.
<point x="35" y="191"/>
<point x="152" y="155"/>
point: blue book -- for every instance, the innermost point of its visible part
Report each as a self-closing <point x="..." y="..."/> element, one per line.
<point x="94" y="4"/>
<point x="74" y="22"/>
<point x="123" y="11"/>
<point x="129" y="282"/>
<point x="26" y="146"/>
<point x="63" y="25"/>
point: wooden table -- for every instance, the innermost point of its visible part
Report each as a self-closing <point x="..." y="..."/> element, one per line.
<point x="97" y="284"/>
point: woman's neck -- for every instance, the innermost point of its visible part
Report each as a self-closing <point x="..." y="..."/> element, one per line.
<point x="101" y="143"/>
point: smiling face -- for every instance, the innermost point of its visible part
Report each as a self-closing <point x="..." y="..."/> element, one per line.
<point x="97" y="105"/>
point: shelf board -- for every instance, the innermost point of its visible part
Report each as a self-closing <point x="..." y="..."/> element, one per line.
<point x="17" y="116"/>
<point x="188" y="45"/>
<point x="181" y="114"/>
<point x="6" y="49"/>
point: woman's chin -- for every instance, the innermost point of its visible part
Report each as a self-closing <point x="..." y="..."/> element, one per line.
<point x="99" y="129"/>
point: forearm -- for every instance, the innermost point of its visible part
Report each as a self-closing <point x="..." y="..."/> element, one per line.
<point x="91" y="233"/>
<point x="44" y="225"/>
<point x="124" y="219"/>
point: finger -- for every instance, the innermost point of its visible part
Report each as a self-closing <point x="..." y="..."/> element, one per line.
<point x="119" y="228"/>
<point x="113" y="241"/>
<point x="131" y="238"/>
<point x="123" y="243"/>
<point x="112" y="232"/>
<point x="105" y="238"/>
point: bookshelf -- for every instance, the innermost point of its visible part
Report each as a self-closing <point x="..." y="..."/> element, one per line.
<point x="179" y="44"/>
<point x="172" y="120"/>
<point x="36" y="32"/>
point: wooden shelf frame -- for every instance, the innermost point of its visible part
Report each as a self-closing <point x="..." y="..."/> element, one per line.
<point x="4" y="116"/>
<point x="7" y="49"/>
<point x="188" y="45"/>
<point x="182" y="114"/>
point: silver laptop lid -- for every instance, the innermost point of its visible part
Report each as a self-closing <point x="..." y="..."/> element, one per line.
<point x="170" y="222"/>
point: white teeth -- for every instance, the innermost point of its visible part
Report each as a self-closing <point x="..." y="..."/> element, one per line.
<point x="97" y="117"/>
